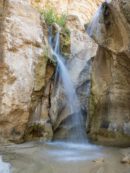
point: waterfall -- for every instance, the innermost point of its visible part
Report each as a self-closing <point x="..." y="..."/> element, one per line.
<point x="94" y="24"/>
<point x="92" y="28"/>
<point x="77" y="134"/>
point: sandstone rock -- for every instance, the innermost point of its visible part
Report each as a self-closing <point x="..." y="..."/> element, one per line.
<point x="109" y="113"/>
<point x="39" y="123"/>
<point x="125" y="160"/>
<point x="26" y="75"/>
<point x="125" y="156"/>
<point x="21" y="48"/>
<point x="99" y="161"/>
<point x="83" y="9"/>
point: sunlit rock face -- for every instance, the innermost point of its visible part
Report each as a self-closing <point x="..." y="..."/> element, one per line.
<point x="109" y="115"/>
<point x="21" y="48"/>
<point x="83" y="9"/>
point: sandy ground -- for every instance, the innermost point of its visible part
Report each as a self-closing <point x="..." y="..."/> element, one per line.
<point x="62" y="158"/>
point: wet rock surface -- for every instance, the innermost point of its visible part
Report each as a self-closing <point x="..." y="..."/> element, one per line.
<point x="79" y="67"/>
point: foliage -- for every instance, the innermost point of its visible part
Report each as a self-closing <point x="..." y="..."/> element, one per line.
<point x="66" y="31"/>
<point x="36" y="130"/>
<point x="48" y="56"/>
<point x="65" y="42"/>
<point x="61" y="20"/>
<point x="37" y="1"/>
<point x="50" y="16"/>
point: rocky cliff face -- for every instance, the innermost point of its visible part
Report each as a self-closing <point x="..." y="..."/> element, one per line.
<point x="109" y="119"/>
<point x="83" y="48"/>
<point x="21" y="49"/>
<point x="82" y="9"/>
<point x="79" y="64"/>
<point x="25" y="73"/>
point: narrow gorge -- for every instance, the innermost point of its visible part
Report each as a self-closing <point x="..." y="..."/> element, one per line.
<point x="64" y="86"/>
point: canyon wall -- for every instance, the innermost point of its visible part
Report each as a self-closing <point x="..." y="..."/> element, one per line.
<point x="26" y="75"/>
<point x="82" y="9"/>
<point x="22" y="47"/>
<point x="109" y="111"/>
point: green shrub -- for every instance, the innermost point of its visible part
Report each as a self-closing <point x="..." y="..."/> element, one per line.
<point x="50" y="16"/>
<point x="61" y="20"/>
<point x="37" y="1"/>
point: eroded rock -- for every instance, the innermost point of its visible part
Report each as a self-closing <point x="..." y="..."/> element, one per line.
<point x="109" y="113"/>
<point x="21" y="49"/>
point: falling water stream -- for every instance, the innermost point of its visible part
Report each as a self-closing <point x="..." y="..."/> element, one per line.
<point x="77" y="132"/>
<point x="94" y="24"/>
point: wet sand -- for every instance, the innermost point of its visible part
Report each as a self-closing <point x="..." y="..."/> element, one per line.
<point x="38" y="157"/>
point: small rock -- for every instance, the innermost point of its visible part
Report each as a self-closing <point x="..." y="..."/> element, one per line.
<point x="101" y="160"/>
<point x="125" y="160"/>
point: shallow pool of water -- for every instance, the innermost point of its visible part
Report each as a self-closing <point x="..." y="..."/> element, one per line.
<point x="60" y="157"/>
<point x="66" y="152"/>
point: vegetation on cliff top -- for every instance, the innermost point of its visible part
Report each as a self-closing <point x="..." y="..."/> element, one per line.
<point x="51" y="16"/>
